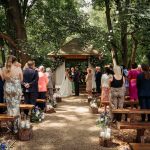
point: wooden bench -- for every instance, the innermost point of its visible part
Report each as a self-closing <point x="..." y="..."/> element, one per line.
<point x="140" y="146"/>
<point x="41" y="100"/>
<point x="7" y="118"/>
<point x="22" y="106"/>
<point x="140" y="127"/>
<point x="130" y="112"/>
<point x="126" y="102"/>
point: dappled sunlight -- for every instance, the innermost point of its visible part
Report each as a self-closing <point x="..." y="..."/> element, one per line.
<point x="71" y="125"/>
<point x="94" y="139"/>
<point x="92" y="129"/>
<point x="82" y="110"/>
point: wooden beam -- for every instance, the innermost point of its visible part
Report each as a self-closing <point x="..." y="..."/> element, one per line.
<point x="137" y="125"/>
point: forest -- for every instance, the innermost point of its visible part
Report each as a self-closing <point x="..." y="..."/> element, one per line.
<point x="119" y="29"/>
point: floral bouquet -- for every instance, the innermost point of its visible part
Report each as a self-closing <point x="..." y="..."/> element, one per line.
<point x="104" y="120"/>
<point x="37" y="115"/>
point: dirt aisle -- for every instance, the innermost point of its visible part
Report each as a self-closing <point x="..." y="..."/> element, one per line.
<point x="72" y="127"/>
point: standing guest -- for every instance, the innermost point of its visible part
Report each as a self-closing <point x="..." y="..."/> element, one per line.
<point x="1" y="86"/>
<point x="98" y="75"/>
<point x="125" y="74"/>
<point x="72" y="75"/>
<point x="143" y="86"/>
<point x="42" y="86"/>
<point x="132" y="76"/>
<point x="42" y="83"/>
<point x="117" y="92"/>
<point x="105" y="84"/>
<point x="50" y="83"/>
<point x="30" y="83"/>
<point x="88" y="80"/>
<point x="139" y="68"/>
<point x="1" y="89"/>
<point x="12" y="88"/>
<point x="76" y="80"/>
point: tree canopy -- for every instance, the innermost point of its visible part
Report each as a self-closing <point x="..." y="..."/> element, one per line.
<point x="118" y="28"/>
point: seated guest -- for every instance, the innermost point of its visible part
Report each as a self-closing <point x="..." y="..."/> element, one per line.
<point x="143" y="86"/>
<point x="117" y="92"/>
<point x="105" y="84"/>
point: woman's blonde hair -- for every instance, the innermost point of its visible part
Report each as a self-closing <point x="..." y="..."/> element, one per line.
<point x="10" y="60"/>
<point x="117" y="70"/>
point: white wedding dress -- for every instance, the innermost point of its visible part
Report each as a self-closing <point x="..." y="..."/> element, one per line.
<point x="66" y="87"/>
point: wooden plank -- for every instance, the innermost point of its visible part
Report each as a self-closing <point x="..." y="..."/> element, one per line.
<point x="22" y="106"/>
<point x="3" y="105"/>
<point x="126" y="102"/>
<point x="121" y="111"/>
<point x="5" y="117"/>
<point x="127" y="97"/>
<point x="139" y="125"/>
<point x="40" y="100"/>
<point x="139" y="146"/>
<point x="131" y="111"/>
<point x="26" y="106"/>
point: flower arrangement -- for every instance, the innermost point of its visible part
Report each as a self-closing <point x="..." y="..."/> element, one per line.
<point x="104" y="120"/>
<point x="37" y="115"/>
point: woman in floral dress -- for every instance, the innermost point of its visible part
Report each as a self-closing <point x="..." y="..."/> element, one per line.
<point x="105" y="84"/>
<point x="12" y="87"/>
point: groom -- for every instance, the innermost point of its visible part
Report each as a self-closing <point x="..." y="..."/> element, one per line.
<point x="76" y="81"/>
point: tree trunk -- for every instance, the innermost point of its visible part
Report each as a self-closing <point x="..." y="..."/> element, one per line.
<point x="15" y="21"/>
<point x="123" y="27"/>
<point x="109" y="26"/>
<point x="134" y="48"/>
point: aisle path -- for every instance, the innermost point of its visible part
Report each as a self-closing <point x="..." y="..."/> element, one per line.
<point x="72" y="127"/>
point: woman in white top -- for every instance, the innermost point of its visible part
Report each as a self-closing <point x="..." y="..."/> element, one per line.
<point x="105" y="84"/>
<point x="66" y="86"/>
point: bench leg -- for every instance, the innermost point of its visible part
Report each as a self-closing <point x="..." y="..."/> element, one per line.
<point x="140" y="133"/>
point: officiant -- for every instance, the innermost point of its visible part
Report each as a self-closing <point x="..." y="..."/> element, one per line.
<point x="76" y="80"/>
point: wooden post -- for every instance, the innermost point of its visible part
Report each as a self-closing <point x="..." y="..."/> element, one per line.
<point x="140" y="133"/>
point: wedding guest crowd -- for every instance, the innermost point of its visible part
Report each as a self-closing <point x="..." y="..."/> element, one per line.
<point x="34" y="83"/>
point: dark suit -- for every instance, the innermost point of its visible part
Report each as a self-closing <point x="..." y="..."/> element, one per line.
<point x="30" y="76"/>
<point x="76" y="79"/>
<point x="98" y="76"/>
<point x="143" y="86"/>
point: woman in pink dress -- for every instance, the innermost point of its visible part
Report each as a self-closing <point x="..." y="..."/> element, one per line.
<point x="132" y="76"/>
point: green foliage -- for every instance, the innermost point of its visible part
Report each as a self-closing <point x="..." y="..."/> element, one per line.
<point x="50" y="23"/>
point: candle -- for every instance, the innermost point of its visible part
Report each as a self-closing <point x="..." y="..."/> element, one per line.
<point x="102" y="134"/>
<point x="107" y="135"/>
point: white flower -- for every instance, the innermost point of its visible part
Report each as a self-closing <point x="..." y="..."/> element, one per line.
<point x="102" y="119"/>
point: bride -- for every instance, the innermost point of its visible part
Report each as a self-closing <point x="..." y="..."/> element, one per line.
<point x="66" y="86"/>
